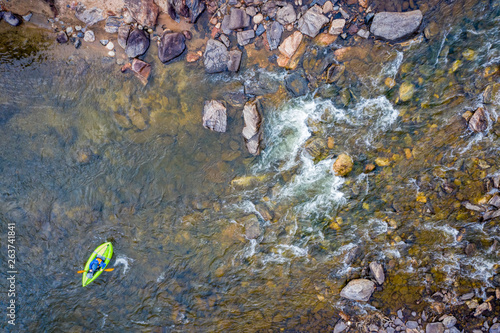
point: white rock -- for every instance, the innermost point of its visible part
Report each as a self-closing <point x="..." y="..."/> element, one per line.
<point x="89" y="36"/>
<point x="110" y="46"/>
<point x="363" y="33"/>
<point x="78" y="28"/>
<point x="111" y="53"/>
<point x="258" y="18"/>
<point x="358" y="290"/>
<point x="337" y="27"/>
<point x="69" y="30"/>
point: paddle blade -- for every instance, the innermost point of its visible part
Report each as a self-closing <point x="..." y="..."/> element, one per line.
<point x="109" y="269"/>
<point x="79" y="272"/>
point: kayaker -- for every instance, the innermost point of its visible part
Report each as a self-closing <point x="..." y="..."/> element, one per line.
<point x="96" y="264"/>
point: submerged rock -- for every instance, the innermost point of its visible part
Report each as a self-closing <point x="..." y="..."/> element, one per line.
<point x="137" y="43"/>
<point x="252" y="226"/>
<point x="479" y="121"/>
<point x="233" y="64"/>
<point x="358" y="290"/>
<point x="251" y="131"/>
<point x="140" y="68"/>
<point x="62" y="38"/>
<point x="11" y="19"/>
<point x="215" y="57"/>
<point x="90" y="16"/>
<point x="296" y="83"/>
<point x="143" y="11"/>
<point x="343" y="165"/>
<point x="406" y="91"/>
<point x="214" y="116"/>
<point x="312" y="21"/>
<point x="393" y="26"/>
<point x="171" y="46"/>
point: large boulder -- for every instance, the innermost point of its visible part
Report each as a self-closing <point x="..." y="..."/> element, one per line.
<point x="343" y="165"/>
<point x="171" y="46"/>
<point x="137" y="43"/>
<point x="286" y="15"/>
<point x="89" y="16"/>
<point x="312" y="21"/>
<point x="143" y="11"/>
<point x="238" y="19"/>
<point x="296" y="83"/>
<point x="215" y="57"/>
<point x="251" y="131"/>
<point x="214" y="116"/>
<point x="393" y="26"/>
<point x="274" y="32"/>
<point x="291" y="44"/>
<point x="358" y="290"/>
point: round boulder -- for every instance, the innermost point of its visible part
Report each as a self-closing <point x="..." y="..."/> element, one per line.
<point x="343" y="165"/>
<point x="171" y="46"/>
<point x="137" y="43"/>
<point x="358" y="290"/>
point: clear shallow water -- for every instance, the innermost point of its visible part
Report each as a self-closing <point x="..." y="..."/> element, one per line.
<point x="87" y="157"/>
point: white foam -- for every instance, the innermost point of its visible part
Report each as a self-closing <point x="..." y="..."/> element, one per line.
<point x="122" y="260"/>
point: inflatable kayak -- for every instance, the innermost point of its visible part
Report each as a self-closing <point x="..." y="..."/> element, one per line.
<point x="104" y="251"/>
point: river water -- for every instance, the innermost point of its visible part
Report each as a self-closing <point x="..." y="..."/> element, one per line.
<point x="209" y="238"/>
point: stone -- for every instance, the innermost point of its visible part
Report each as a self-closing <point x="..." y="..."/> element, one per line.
<point x="104" y="42"/>
<point x="495" y="328"/>
<point x="137" y="43"/>
<point x="406" y="91"/>
<point x="434" y="328"/>
<point x="172" y="44"/>
<point x="89" y="36"/>
<point x="479" y="121"/>
<point x="274" y="32"/>
<point x="378" y="272"/>
<point x="123" y="33"/>
<point x="296" y="83"/>
<point x="260" y="29"/>
<point x="62" y="38"/>
<point x="312" y="21"/>
<point x="257" y="19"/>
<point x="90" y="16"/>
<point x="145" y="12"/>
<point x="110" y="46"/>
<point x="316" y="147"/>
<point x="196" y="7"/>
<point x="192" y="57"/>
<point x="495" y="201"/>
<point x="491" y="215"/>
<point x="411" y="324"/>
<point x="238" y="19"/>
<point x="449" y="321"/>
<point x="69" y="30"/>
<point x="28" y="17"/>
<point x="112" y="25"/>
<point x="339" y="327"/>
<point x="111" y="54"/>
<point x="77" y="43"/>
<point x="286" y="15"/>
<point x="252" y="226"/>
<point x="233" y="64"/>
<point x="327" y="7"/>
<point x="214" y="116"/>
<point x="337" y="27"/>
<point x="394" y="26"/>
<point x="335" y="72"/>
<point x="291" y="44"/>
<point x="358" y="290"/>
<point x="141" y="70"/>
<point x="363" y="33"/>
<point x="473" y="207"/>
<point x="251" y="130"/>
<point x="261" y="85"/>
<point x="244" y="37"/>
<point x="342" y="165"/>
<point x="12" y="19"/>
<point x="215" y="57"/>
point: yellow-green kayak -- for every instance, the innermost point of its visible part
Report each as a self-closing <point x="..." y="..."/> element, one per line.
<point x="104" y="250"/>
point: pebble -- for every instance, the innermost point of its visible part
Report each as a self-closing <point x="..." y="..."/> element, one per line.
<point x="78" y="28"/>
<point x="398" y="322"/>
<point x="89" y="36"/>
<point x="467" y="296"/>
<point x="69" y="30"/>
<point x="111" y="53"/>
<point x="78" y="43"/>
<point x="449" y="321"/>
<point x="27" y="17"/>
<point x="80" y="34"/>
<point x="104" y="42"/>
<point x="411" y="324"/>
<point x="257" y="19"/>
<point x="110" y="46"/>
<point x="400" y="314"/>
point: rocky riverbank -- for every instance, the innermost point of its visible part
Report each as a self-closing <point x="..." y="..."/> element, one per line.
<point x="316" y="45"/>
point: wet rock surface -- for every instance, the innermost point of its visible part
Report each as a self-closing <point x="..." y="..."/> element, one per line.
<point x="215" y="57"/>
<point x="171" y="46"/>
<point x="214" y="116"/>
<point x="358" y="290"/>
<point x="393" y="26"/>
<point x="137" y="43"/>
<point x="251" y="130"/>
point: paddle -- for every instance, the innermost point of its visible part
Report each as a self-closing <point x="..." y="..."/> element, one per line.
<point x="106" y="270"/>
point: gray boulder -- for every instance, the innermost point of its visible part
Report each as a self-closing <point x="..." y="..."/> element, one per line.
<point x="238" y="19"/>
<point x="11" y="19"/>
<point x="358" y="290"/>
<point x="215" y="57"/>
<point x="244" y="37"/>
<point x="393" y="26"/>
<point x="274" y="32"/>
<point x="171" y="46"/>
<point x="90" y="16"/>
<point x="251" y="131"/>
<point x="286" y="15"/>
<point x="137" y="43"/>
<point x="378" y="272"/>
<point x="214" y="116"/>
<point x="312" y="21"/>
